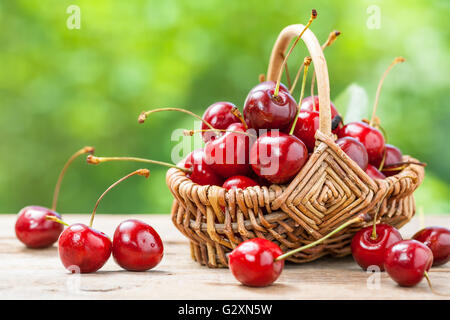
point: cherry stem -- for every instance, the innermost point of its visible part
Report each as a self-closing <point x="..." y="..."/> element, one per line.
<point x="427" y="276"/>
<point x="359" y="218"/>
<point x="402" y="165"/>
<point x="235" y="111"/>
<point x="144" y="115"/>
<point x="55" y="219"/>
<point x="142" y="172"/>
<point x="192" y="132"/>
<point x="306" y="63"/>
<point x="63" y="171"/>
<point x="383" y="160"/>
<point x="280" y="73"/>
<point x="97" y="160"/>
<point x="380" y="84"/>
<point x="331" y="38"/>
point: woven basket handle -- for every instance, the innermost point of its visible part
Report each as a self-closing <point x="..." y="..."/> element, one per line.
<point x="320" y="66"/>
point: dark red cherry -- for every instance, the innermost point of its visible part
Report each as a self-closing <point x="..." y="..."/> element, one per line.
<point x="239" y="182"/>
<point x="252" y="262"/>
<point x="83" y="249"/>
<point x="228" y="154"/>
<point x="202" y="172"/>
<point x="34" y="230"/>
<point x="312" y="104"/>
<point x="277" y="156"/>
<point x="355" y="150"/>
<point x="438" y="240"/>
<point x="374" y="173"/>
<point x="407" y="261"/>
<point x="306" y="127"/>
<point x="219" y="115"/>
<point x="368" y="251"/>
<point x="136" y="246"/>
<point x="262" y="110"/>
<point x="369" y="136"/>
<point x="393" y="156"/>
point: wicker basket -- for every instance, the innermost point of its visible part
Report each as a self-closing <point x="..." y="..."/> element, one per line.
<point x="328" y="191"/>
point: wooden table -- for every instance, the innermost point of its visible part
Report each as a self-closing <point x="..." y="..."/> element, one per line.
<point x="38" y="274"/>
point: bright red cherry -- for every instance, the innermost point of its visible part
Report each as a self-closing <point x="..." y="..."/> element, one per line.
<point x="220" y="116"/>
<point x="374" y="173"/>
<point x="202" y="172"/>
<point x="368" y="250"/>
<point x="83" y="249"/>
<point x="136" y="246"/>
<point x="263" y="110"/>
<point x="239" y="182"/>
<point x="438" y="240"/>
<point x="407" y="262"/>
<point x="306" y="127"/>
<point x="34" y="230"/>
<point x="277" y="156"/>
<point x="312" y="104"/>
<point x="228" y="154"/>
<point x="355" y="150"/>
<point x="252" y="262"/>
<point x="370" y="137"/>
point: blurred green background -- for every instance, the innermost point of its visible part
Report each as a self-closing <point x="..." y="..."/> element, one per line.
<point x="61" y="89"/>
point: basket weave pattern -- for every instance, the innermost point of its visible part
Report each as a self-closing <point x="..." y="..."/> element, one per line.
<point x="328" y="191"/>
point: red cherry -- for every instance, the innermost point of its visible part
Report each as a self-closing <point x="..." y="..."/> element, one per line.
<point x="228" y="154"/>
<point x="220" y="116"/>
<point x="263" y="110"/>
<point x="355" y="150"/>
<point x="374" y="173"/>
<point x="438" y="240"/>
<point x="136" y="246"/>
<point x="202" y="173"/>
<point x="306" y="127"/>
<point x="407" y="261"/>
<point x="252" y="262"/>
<point x="269" y="85"/>
<point x="277" y="156"/>
<point x="83" y="249"/>
<point x="369" y="136"/>
<point x="34" y="230"/>
<point x="371" y="252"/>
<point x="239" y="182"/>
<point x="392" y="157"/>
<point x="312" y="104"/>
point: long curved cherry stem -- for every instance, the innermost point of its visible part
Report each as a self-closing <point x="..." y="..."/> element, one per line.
<point x="331" y="38"/>
<point x="144" y="115"/>
<point x="306" y="63"/>
<point x="55" y="219"/>
<point x="359" y="218"/>
<point x="280" y="73"/>
<point x="97" y="160"/>
<point x="235" y="111"/>
<point x="380" y="84"/>
<point x="426" y="275"/>
<point x="142" y="172"/>
<point x="192" y="132"/>
<point x="84" y="150"/>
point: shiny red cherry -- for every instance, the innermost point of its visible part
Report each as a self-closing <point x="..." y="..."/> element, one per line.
<point x="252" y="262"/>
<point x="438" y="240"/>
<point x="239" y="182"/>
<point x="263" y="110"/>
<point x="277" y="156"/>
<point x="370" y="137"/>
<point x="374" y="173"/>
<point x="369" y="251"/>
<point x="83" y="249"/>
<point x="34" y="230"/>
<point x="219" y="115"/>
<point x="312" y="104"/>
<point x="355" y="150"/>
<point x="306" y="127"/>
<point x="202" y="173"/>
<point x="407" y="261"/>
<point x="393" y="156"/>
<point x="136" y="246"/>
<point x="228" y="154"/>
